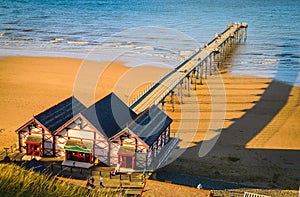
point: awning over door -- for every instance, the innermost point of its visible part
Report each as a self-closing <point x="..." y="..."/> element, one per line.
<point x="127" y="150"/>
<point x="78" y="146"/>
<point x="34" y="139"/>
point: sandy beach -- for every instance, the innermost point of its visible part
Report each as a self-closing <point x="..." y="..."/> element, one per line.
<point x="30" y="85"/>
<point x="259" y="137"/>
<point x="259" y="140"/>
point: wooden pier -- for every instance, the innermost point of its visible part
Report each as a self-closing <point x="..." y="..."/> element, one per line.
<point x="205" y="61"/>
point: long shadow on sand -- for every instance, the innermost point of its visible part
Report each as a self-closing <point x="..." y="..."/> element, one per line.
<point x="229" y="159"/>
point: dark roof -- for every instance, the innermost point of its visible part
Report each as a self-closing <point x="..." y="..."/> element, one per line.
<point x="109" y="115"/>
<point x="150" y="124"/>
<point x="56" y="116"/>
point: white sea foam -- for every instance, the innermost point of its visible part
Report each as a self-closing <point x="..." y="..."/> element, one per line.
<point x="78" y="42"/>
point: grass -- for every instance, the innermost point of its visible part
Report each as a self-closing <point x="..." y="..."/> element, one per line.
<point x="16" y="181"/>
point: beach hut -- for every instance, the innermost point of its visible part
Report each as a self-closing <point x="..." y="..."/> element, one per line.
<point x="141" y="141"/>
<point x="91" y="129"/>
<point x="36" y="137"/>
<point x="110" y="132"/>
<point x="107" y="131"/>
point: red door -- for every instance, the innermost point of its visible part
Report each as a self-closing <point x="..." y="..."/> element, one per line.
<point x="33" y="149"/>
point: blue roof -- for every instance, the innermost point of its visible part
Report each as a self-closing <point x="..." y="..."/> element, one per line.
<point x="109" y="115"/>
<point x="56" y="116"/>
<point x="150" y="124"/>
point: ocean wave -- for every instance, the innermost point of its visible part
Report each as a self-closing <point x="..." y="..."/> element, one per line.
<point x="10" y="29"/>
<point x="253" y="53"/>
<point x="56" y="40"/>
<point x="158" y="55"/>
<point x="78" y="42"/>
<point x="284" y="55"/>
<point x="78" y="33"/>
<point x="21" y="39"/>
<point x="11" y="22"/>
<point x="27" y="30"/>
<point x="119" y="44"/>
<point x="185" y="53"/>
<point x="266" y="61"/>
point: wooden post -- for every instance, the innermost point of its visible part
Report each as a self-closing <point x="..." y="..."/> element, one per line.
<point x="201" y="73"/>
<point x="214" y="62"/>
<point x="181" y="92"/>
<point x="178" y="92"/>
<point x="205" y="68"/>
<point x="210" y="64"/>
<point x="245" y="35"/>
<point x="172" y="100"/>
<point x="197" y="70"/>
<point x="195" y="83"/>
<point x="188" y="84"/>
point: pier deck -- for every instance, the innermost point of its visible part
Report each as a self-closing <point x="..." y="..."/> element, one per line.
<point x="166" y="85"/>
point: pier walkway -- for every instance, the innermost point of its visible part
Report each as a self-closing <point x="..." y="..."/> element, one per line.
<point x="203" y="62"/>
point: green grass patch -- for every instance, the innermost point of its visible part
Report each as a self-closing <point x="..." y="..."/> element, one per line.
<point x="16" y="181"/>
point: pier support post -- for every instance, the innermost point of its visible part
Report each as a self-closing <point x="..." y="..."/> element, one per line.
<point x="201" y="73"/>
<point x="172" y="101"/>
<point x="198" y="72"/>
<point x="188" y="84"/>
<point x="181" y="92"/>
<point x="214" y="62"/>
<point x="205" y="61"/>
<point x="222" y="55"/>
<point x="245" y="35"/>
<point x="210" y="64"/>
<point x="195" y="82"/>
<point x="222" y="58"/>
<point x="178" y="92"/>
<point x="225" y="49"/>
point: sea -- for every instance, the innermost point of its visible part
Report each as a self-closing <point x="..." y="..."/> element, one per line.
<point x="155" y="32"/>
